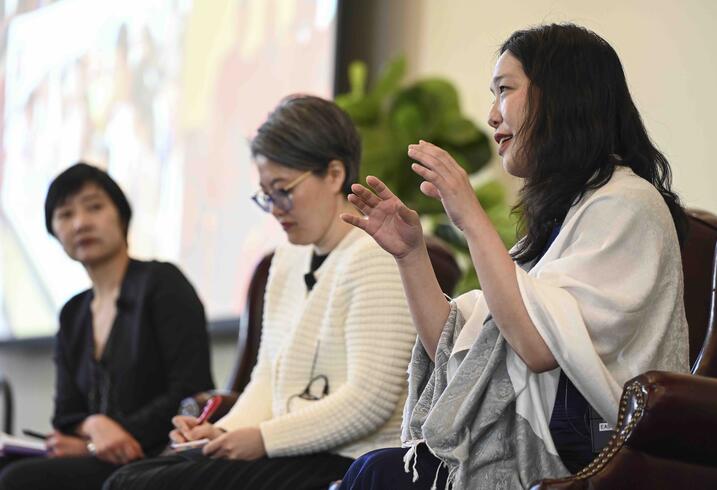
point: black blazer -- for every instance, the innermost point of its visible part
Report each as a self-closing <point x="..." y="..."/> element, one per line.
<point x="157" y="353"/>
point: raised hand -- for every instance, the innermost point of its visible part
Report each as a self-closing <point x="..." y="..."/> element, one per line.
<point x="396" y="228"/>
<point x="445" y="180"/>
<point x="187" y="429"/>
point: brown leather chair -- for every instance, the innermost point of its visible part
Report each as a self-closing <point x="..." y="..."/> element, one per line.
<point x="444" y="265"/>
<point x="666" y="435"/>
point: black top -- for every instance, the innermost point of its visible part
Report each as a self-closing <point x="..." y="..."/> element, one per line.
<point x="157" y="353"/>
<point x="569" y="426"/>
<point x="316" y="261"/>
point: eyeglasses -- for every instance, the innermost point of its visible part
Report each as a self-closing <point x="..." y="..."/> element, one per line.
<point x="281" y="198"/>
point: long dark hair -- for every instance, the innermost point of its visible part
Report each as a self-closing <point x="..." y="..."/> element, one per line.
<point x="581" y="123"/>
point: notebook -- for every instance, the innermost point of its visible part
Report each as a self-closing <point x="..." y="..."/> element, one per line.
<point x="21" y="447"/>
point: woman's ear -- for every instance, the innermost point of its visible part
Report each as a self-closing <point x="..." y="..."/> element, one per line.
<point x="336" y="173"/>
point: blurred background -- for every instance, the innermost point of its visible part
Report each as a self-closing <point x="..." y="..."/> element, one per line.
<point x="165" y="95"/>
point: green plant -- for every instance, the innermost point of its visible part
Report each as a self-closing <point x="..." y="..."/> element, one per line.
<point x="390" y="116"/>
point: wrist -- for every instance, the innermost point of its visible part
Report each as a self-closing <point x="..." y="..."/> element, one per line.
<point x="477" y="226"/>
<point x="413" y="256"/>
<point x="86" y="427"/>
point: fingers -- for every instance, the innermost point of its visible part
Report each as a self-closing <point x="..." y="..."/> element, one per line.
<point x="204" y="431"/>
<point x="436" y="153"/>
<point x="409" y="215"/>
<point x="429" y="155"/>
<point x="114" y="456"/>
<point x="184" y="425"/>
<point x="135" y="452"/>
<point x="121" y="456"/>
<point x="184" y="422"/>
<point x="176" y="436"/>
<point x="213" y="447"/>
<point x="364" y="195"/>
<point x="426" y="160"/>
<point x="430" y="190"/>
<point x="122" y="453"/>
<point x="52" y="442"/>
<point x="424" y="172"/>
<point x="357" y="221"/>
<point x="436" y="159"/>
<point x="138" y="451"/>
<point x="379" y="187"/>
<point x="359" y="203"/>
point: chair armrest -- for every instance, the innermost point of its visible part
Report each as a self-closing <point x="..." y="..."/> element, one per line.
<point x="680" y="418"/>
<point x="665" y="438"/>
<point x="193" y="405"/>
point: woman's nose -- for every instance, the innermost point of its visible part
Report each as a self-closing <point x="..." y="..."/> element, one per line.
<point x="494" y="117"/>
<point x="80" y="220"/>
<point x="276" y="211"/>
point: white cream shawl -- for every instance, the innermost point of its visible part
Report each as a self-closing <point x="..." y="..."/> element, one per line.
<point x="607" y="299"/>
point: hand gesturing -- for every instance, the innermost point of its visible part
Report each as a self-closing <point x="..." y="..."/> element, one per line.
<point x="445" y="180"/>
<point x="396" y="228"/>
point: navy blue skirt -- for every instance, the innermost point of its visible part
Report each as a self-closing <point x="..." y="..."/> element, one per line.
<point x="384" y="469"/>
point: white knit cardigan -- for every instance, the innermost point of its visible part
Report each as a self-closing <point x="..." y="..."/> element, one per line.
<point x="356" y="322"/>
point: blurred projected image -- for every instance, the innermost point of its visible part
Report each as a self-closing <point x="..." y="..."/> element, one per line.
<point x="164" y="95"/>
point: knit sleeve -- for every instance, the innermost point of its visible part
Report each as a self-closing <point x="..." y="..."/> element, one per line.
<point x="379" y="336"/>
<point x="254" y="404"/>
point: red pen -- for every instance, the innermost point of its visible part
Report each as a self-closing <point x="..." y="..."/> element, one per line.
<point x="209" y="408"/>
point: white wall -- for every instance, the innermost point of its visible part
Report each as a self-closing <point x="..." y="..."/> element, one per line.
<point x="668" y="50"/>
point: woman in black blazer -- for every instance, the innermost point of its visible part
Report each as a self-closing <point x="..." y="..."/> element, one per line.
<point x="127" y="351"/>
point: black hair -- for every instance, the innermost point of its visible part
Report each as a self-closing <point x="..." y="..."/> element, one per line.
<point x="580" y="123"/>
<point x="72" y="180"/>
<point x="306" y="133"/>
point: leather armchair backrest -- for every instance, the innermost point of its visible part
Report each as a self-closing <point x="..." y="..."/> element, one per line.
<point x="444" y="265"/>
<point x="699" y="262"/>
<point x="250" y="327"/>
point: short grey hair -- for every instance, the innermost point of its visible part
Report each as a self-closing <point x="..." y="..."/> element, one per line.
<point x="306" y="133"/>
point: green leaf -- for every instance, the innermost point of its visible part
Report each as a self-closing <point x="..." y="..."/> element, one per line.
<point x="358" y="74"/>
<point x="390" y="116"/>
<point x="457" y="130"/>
<point x="490" y="194"/>
<point x="391" y="77"/>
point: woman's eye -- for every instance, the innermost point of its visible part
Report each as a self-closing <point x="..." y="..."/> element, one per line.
<point x="502" y="89"/>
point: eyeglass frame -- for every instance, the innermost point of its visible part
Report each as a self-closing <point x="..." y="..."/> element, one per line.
<point x="285" y="192"/>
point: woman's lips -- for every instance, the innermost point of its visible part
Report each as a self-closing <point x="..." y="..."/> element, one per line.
<point x="286" y="226"/>
<point x="504" y="145"/>
<point x="86" y="242"/>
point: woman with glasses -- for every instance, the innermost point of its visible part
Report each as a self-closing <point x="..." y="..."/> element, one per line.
<point x="330" y="379"/>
